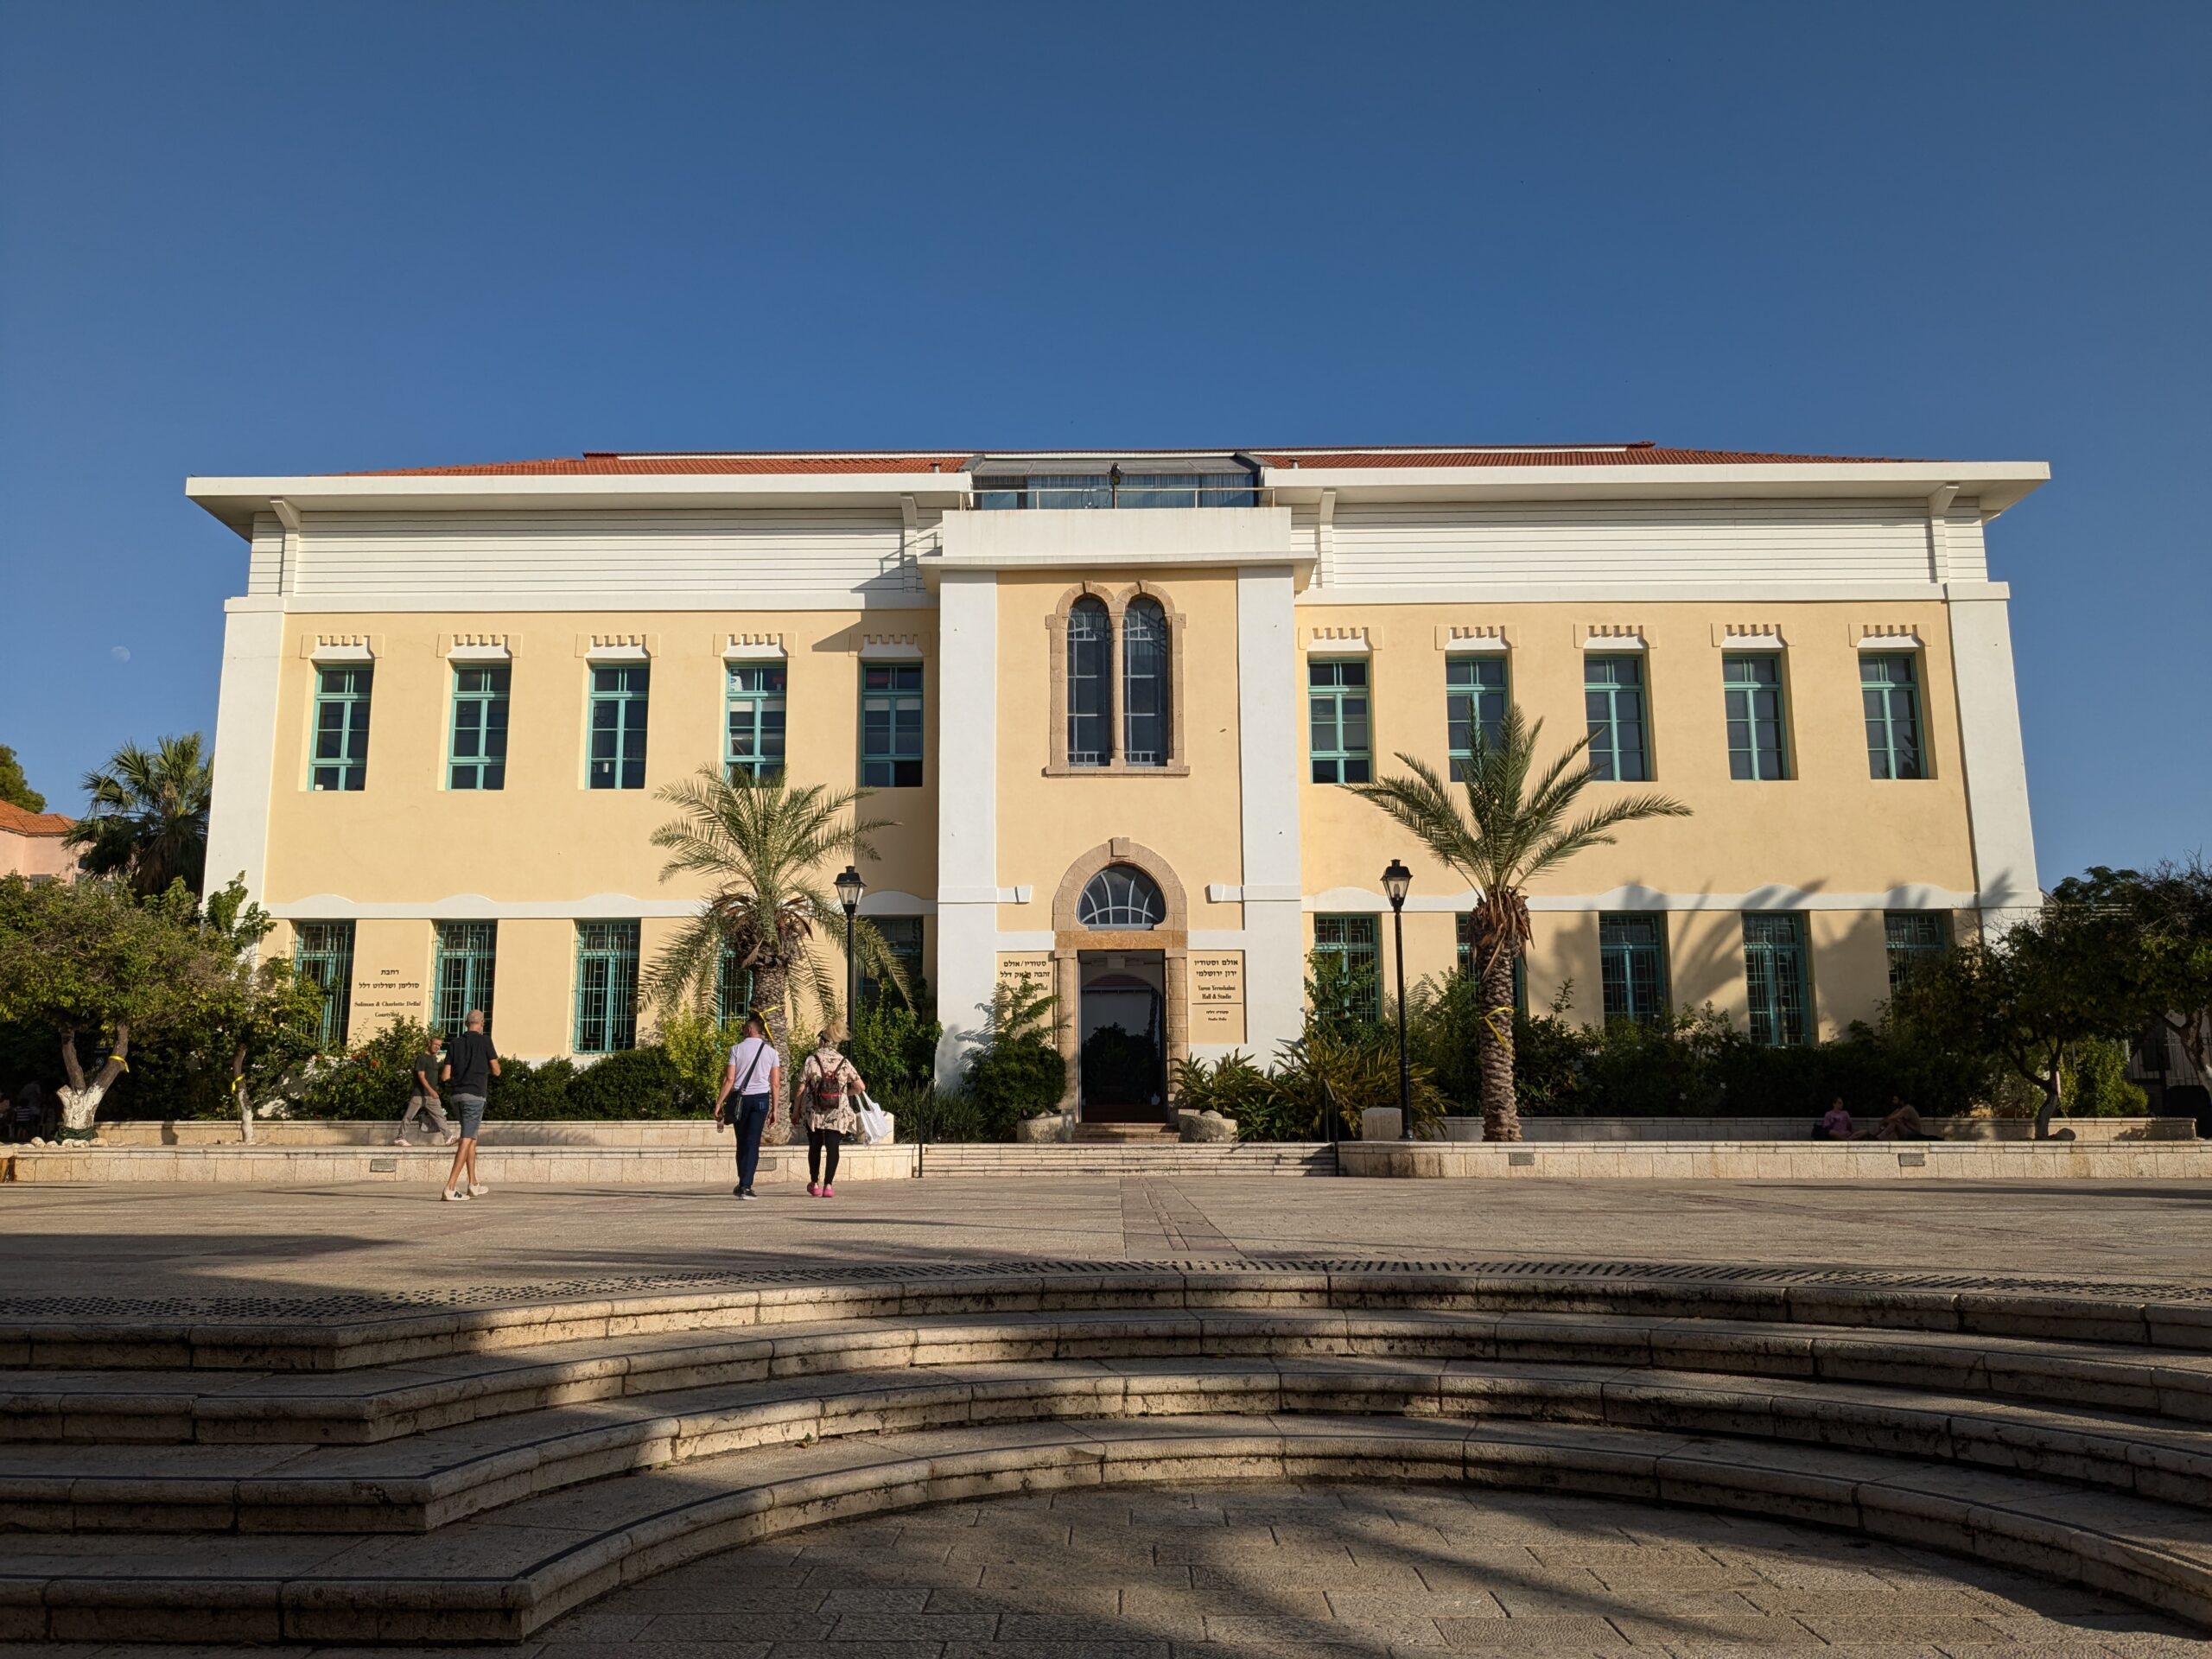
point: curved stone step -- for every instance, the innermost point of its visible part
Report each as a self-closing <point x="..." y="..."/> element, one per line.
<point x="385" y="1403"/>
<point x="343" y="1334"/>
<point x="435" y="1479"/>
<point x="500" y="1576"/>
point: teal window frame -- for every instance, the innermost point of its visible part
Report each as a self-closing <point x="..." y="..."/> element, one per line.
<point x="1148" y="685"/>
<point x="1753" y="687"/>
<point x="341" y="758"/>
<point x="607" y="988"/>
<point x="621" y="712"/>
<point x="476" y="756"/>
<point x="754" y="694"/>
<point x="1912" y="937"/>
<point x="1356" y="941"/>
<point x="322" y="953"/>
<point x="464" y="971"/>
<point x="1090" y="682"/>
<point x="893" y="725"/>
<point x="1633" y="966"/>
<point x="1477" y="686"/>
<point x="903" y="936"/>
<point x="1616" y="706"/>
<point x="1889" y="687"/>
<point x="1340" y="720"/>
<point x="1777" y="980"/>
<point x="1464" y="960"/>
<point x="734" y="986"/>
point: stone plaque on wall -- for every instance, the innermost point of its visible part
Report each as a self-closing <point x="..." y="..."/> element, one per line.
<point x="1216" y="997"/>
<point x="1035" y="966"/>
<point x="382" y="997"/>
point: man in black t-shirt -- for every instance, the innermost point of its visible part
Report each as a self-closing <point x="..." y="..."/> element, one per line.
<point x="471" y="1062"/>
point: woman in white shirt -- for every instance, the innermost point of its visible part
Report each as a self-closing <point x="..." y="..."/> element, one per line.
<point x="756" y="1076"/>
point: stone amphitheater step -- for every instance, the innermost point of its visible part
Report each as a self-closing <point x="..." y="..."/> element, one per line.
<point x="500" y="1577"/>
<point x="363" y="1407"/>
<point x="1157" y="1154"/>
<point x="439" y="1477"/>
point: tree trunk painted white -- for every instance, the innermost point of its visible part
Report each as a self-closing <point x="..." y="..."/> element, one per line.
<point x="245" y="1097"/>
<point x="80" y="1099"/>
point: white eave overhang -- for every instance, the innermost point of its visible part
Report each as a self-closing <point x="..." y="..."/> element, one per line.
<point x="1997" y="485"/>
<point x="1162" y="537"/>
<point x="236" y="500"/>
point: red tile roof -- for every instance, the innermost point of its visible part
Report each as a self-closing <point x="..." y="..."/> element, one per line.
<point x="611" y="464"/>
<point x="15" y="821"/>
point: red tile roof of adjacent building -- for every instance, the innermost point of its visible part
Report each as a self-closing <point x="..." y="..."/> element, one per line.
<point x="611" y="464"/>
<point x="17" y="821"/>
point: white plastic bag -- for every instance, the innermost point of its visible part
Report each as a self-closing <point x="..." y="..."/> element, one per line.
<point x="875" y="1122"/>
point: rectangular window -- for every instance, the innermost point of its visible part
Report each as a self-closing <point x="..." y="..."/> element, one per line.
<point x="1913" y="936"/>
<point x="322" y="953"/>
<point x="891" y="725"/>
<point x="756" y="719"/>
<point x="1466" y="960"/>
<point x="1890" y="686"/>
<point x="1632" y="966"/>
<point x="733" y="986"/>
<point x="479" y="728"/>
<point x="1474" y="703"/>
<point x="619" y="697"/>
<point x="1752" y="684"/>
<point x="468" y="954"/>
<point x="1612" y="701"/>
<point x="606" y="987"/>
<point x="903" y="934"/>
<point x="342" y="728"/>
<point x="1774" y="974"/>
<point x="1349" y="942"/>
<point x="1337" y="707"/>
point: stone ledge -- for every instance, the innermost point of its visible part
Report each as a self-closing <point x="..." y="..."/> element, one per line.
<point x="1796" y="1161"/>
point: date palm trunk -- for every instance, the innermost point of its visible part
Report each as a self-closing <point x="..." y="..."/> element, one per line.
<point x="1494" y="1052"/>
<point x="772" y="995"/>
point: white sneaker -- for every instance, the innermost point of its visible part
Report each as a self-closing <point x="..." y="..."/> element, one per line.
<point x="452" y="1140"/>
<point x="452" y="1197"/>
<point x="476" y="1191"/>
<point x="401" y="1140"/>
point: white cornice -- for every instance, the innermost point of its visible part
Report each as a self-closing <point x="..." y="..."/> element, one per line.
<point x="1997" y="484"/>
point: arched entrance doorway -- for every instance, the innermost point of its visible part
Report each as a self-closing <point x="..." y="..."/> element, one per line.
<point x="1120" y="926"/>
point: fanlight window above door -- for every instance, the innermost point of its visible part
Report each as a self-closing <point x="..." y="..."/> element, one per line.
<point x="1121" y="897"/>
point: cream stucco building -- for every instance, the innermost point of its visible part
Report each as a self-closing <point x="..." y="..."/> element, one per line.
<point x="1108" y="699"/>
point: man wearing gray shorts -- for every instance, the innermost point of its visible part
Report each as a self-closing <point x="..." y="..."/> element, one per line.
<point x="470" y="1064"/>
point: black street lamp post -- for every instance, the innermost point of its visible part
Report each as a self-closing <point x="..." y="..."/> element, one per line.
<point x="849" y="888"/>
<point x="1396" y="880"/>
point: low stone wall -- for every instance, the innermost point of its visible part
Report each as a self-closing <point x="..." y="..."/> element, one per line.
<point x="498" y="1163"/>
<point x="1806" y="1160"/>
<point x="1588" y="1130"/>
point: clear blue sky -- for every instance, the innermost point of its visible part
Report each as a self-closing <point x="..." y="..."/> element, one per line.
<point x="280" y="238"/>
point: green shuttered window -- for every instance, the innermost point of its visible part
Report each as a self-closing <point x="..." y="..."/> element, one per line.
<point x="756" y="720"/>
<point x="1912" y="938"/>
<point x="1613" y="703"/>
<point x="1752" y="684"/>
<point x="1779" y="988"/>
<point x="342" y="728"/>
<point x="1889" y="685"/>
<point x="479" y="728"/>
<point x="322" y="953"/>
<point x="467" y="955"/>
<point x="606" y="987"/>
<point x="1336" y="706"/>
<point x="1474" y="705"/>
<point x="891" y="725"/>
<point x="1632" y="966"/>
<point x="1351" y="942"/>
<point x="619" y="702"/>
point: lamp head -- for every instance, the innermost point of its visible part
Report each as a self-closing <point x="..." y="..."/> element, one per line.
<point x="1396" y="881"/>
<point x="849" y="888"/>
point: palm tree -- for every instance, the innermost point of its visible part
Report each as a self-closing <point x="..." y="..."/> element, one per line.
<point x="763" y="846"/>
<point x="1501" y="833"/>
<point x="148" y="820"/>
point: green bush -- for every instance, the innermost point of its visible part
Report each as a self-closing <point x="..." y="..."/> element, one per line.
<point x="1232" y="1086"/>
<point x="1119" y="1065"/>
<point x="526" y="1091"/>
<point x="893" y="1044"/>
<point x="698" y="1045"/>
<point x="633" y="1083"/>
<point x="369" y="1080"/>
<point x="1016" y="1071"/>
<point x="2096" y="1082"/>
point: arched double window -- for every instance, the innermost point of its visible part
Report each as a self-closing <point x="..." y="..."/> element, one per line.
<point x="1090" y="682"/>
<point x="1144" y="735"/>
<point x="1121" y="897"/>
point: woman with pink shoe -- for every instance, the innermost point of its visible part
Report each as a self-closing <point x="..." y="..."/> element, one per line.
<point x="828" y="1085"/>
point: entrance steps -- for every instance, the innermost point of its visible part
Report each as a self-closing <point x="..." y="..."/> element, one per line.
<point x="1164" y="1155"/>
<point x="409" y="1474"/>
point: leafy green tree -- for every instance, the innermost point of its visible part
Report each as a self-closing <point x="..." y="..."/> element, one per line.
<point x="267" y="1016"/>
<point x="1507" y="823"/>
<point x="147" y="818"/>
<point x="14" y="788"/>
<point x="766" y="849"/>
<point x="89" y="960"/>
<point x="2168" y="911"/>
<point x="1017" y="1070"/>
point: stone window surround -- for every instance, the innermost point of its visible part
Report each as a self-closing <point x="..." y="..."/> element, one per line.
<point x="1118" y="600"/>
<point x="1071" y="938"/>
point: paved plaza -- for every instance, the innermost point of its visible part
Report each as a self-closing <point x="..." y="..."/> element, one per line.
<point x="157" y="1241"/>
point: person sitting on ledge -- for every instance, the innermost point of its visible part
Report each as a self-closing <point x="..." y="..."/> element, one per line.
<point x="1904" y="1124"/>
<point x="1835" y="1124"/>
